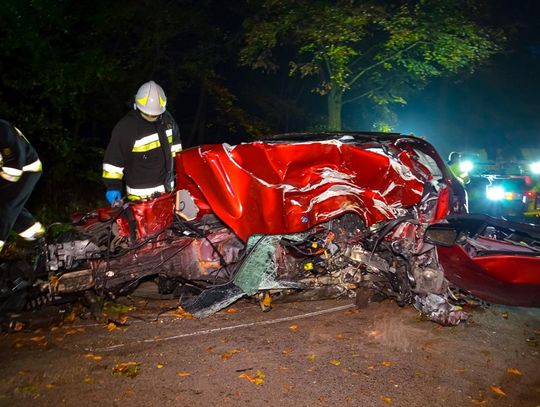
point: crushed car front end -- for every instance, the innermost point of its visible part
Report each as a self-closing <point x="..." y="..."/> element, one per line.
<point x="328" y="214"/>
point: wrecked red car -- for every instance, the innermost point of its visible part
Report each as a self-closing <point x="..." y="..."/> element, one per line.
<point x="309" y="215"/>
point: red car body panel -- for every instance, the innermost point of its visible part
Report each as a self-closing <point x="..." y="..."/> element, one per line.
<point x="281" y="188"/>
<point x="502" y="279"/>
<point x="149" y="217"/>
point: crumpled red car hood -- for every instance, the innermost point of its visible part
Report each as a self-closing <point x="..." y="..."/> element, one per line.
<point x="279" y="187"/>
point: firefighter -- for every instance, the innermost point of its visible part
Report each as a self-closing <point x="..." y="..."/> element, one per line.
<point x="20" y="169"/>
<point x="141" y="150"/>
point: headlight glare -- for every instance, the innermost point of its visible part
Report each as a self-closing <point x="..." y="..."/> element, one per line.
<point x="495" y="193"/>
<point x="535" y="167"/>
<point x="466" y="166"/>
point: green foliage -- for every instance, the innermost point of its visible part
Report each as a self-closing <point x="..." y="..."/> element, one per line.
<point x="373" y="50"/>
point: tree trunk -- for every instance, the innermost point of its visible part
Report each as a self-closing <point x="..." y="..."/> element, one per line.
<point x="334" y="108"/>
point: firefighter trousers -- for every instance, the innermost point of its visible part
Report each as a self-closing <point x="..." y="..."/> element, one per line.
<point x="13" y="197"/>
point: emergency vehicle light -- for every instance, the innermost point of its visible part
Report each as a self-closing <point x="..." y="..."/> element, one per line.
<point x="495" y="193"/>
<point x="466" y="166"/>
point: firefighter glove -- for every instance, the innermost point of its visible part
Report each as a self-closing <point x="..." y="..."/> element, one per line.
<point x="112" y="196"/>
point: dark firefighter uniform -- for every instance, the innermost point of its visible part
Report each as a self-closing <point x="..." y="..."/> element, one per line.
<point x="140" y="153"/>
<point x="20" y="169"/>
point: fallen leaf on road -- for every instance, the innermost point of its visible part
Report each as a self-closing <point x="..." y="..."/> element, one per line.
<point x="129" y="392"/>
<point x="387" y="400"/>
<point x="287" y="351"/>
<point x="479" y="402"/>
<point x="183" y="374"/>
<point x="123" y="319"/>
<point x="460" y="370"/>
<point x="129" y="369"/>
<point x="111" y="326"/>
<point x="19" y="326"/>
<point x="386" y="363"/>
<point x="71" y="317"/>
<point x="160" y="365"/>
<point x="74" y="331"/>
<point x="180" y="313"/>
<point x="229" y="354"/>
<point x="293" y="327"/>
<point x="258" y="378"/>
<point x="37" y="338"/>
<point x="351" y="312"/>
<point x="335" y="362"/>
<point x="93" y="357"/>
<point x="312" y="357"/>
<point x="505" y="315"/>
<point x="29" y="389"/>
<point x="498" y="390"/>
<point x="50" y="386"/>
<point x="231" y="311"/>
<point x="514" y="371"/>
<point x="371" y="367"/>
<point x="88" y="380"/>
<point x="117" y="308"/>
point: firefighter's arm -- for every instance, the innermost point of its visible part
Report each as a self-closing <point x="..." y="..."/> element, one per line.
<point x="12" y="163"/>
<point x="176" y="146"/>
<point x="114" y="161"/>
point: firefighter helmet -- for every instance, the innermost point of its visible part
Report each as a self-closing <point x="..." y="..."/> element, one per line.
<point x="150" y="99"/>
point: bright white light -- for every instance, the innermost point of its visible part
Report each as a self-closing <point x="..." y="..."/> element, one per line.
<point x="495" y="193"/>
<point x="535" y="167"/>
<point x="466" y="166"/>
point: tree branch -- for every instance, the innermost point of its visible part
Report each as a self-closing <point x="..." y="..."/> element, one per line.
<point x="354" y="99"/>
<point x="365" y="55"/>
<point x="328" y="68"/>
<point x="369" y="68"/>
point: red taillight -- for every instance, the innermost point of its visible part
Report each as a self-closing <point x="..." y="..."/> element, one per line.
<point x="530" y="194"/>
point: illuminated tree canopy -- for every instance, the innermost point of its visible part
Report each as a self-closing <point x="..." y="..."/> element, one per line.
<point x="374" y="51"/>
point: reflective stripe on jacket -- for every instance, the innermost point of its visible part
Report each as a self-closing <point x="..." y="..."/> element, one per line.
<point x="17" y="155"/>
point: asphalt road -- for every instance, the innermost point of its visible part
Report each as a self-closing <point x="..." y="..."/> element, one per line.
<point x="298" y="354"/>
